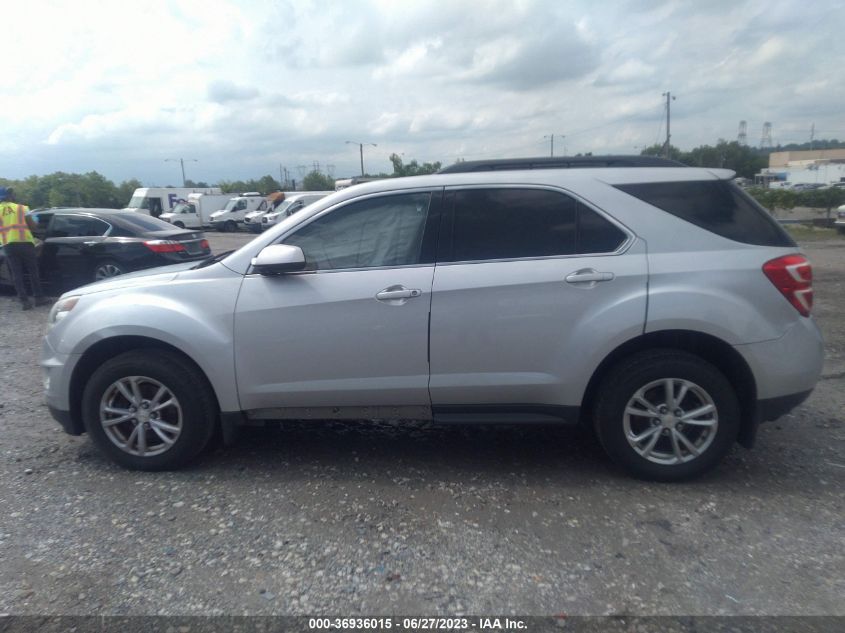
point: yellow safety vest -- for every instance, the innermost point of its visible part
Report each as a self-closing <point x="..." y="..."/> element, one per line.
<point x="13" y="226"/>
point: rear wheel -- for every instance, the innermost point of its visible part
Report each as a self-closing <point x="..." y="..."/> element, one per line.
<point x="149" y="410"/>
<point x="107" y="269"/>
<point x="666" y="415"/>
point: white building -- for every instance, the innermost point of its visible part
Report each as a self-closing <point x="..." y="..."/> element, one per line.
<point x="823" y="167"/>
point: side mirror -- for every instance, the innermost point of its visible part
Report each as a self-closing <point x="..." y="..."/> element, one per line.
<point x="278" y="259"/>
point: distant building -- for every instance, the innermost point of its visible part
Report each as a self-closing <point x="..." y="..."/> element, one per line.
<point x="820" y="166"/>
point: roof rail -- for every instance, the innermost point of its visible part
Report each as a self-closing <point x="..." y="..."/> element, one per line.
<point x="559" y="162"/>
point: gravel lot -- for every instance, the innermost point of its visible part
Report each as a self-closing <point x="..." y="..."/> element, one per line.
<point x="416" y="518"/>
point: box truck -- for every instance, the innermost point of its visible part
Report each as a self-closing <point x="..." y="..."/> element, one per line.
<point x="195" y="212"/>
<point x="157" y="200"/>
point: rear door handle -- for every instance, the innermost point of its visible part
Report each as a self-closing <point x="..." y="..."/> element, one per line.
<point x="588" y="276"/>
<point x="392" y="293"/>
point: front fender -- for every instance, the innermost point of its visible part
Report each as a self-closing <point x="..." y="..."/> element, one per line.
<point x="190" y="313"/>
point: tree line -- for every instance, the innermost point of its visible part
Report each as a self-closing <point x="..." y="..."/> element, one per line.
<point x="92" y="189"/>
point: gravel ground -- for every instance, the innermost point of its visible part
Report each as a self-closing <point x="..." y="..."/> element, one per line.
<point x="412" y="518"/>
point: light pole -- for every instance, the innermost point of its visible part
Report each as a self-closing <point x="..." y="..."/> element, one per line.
<point x="182" y="163"/>
<point x="361" y="150"/>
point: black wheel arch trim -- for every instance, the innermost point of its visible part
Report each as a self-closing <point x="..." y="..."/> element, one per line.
<point x="100" y="352"/>
<point x="710" y="348"/>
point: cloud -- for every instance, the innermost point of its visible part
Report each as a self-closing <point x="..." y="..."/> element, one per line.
<point x="244" y="87"/>
<point x="222" y="91"/>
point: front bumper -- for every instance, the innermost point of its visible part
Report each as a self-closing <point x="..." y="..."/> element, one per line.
<point x="70" y="426"/>
<point x="57" y="370"/>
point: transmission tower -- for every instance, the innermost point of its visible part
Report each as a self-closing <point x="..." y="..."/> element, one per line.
<point x="766" y="138"/>
<point x="742" y="136"/>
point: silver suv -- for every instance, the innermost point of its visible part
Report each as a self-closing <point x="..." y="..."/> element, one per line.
<point x="655" y="303"/>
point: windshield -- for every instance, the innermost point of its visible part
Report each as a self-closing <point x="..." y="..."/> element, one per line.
<point x="231" y="204"/>
<point x="184" y="208"/>
<point x="139" y="202"/>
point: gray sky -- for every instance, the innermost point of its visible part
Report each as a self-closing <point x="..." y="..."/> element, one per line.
<point x="244" y="86"/>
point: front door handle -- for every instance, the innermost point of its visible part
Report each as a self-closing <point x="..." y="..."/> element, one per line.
<point x="588" y="276"/>
<point x="393" y="293"/>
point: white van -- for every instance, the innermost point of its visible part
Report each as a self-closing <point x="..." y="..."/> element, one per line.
<point x="229" y="217"/>
<point x="252" y="220"/>
<point x="195" y="213"/>
<point x="289" y="206"/>
<point x="157" y="200"/>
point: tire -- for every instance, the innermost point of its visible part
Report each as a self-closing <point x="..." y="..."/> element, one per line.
<point x="230" y="226"/>
<point x="840" y="230"/>
<point x="180" y="225"/>
<point x="661" y="454"/>
<point x="107" y="269"/>
<point x="188" y="425"/>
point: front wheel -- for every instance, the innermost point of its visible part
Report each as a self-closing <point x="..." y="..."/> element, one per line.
<point x="149" y="410"/>
<point x="230" y="226"/>
<point x="666" y="415"/>
<point x="179" y="225"/>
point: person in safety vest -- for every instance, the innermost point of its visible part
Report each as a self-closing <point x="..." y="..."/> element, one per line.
<point x="19" y="249"/>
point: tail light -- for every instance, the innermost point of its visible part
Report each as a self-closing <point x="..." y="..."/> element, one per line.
<point x="164" y="246"/>
<point x="793" y="276"/>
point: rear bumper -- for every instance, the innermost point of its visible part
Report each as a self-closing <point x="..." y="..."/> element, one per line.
<point x="773" y="408"/>
<point x="786" y="367"/>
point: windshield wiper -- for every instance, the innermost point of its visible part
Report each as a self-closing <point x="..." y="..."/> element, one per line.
<point x="212" y="260"/>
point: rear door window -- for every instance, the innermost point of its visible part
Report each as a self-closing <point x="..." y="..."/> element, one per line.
<point x="516" y="223"/>
<point x="77" y="226"/>
<point x="715" y="205"/>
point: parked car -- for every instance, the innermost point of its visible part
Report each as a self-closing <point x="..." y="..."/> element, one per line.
<point x="292" y="204"/>
<point x="655" y="303"/>
<point x="81" y="246"/>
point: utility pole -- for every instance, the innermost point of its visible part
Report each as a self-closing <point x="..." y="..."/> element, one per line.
<point x="551" y="137"/>
<point x="669" y="100"/>
<point x="812" y="136"/>
<point x="182" y="163"/>
<point x="283" y="176"/>
<point x="361" y="149"/>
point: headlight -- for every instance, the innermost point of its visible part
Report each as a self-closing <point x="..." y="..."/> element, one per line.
<point x="61" y="308"/>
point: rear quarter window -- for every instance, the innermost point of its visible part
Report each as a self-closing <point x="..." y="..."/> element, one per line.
<point x="716" y="206"/>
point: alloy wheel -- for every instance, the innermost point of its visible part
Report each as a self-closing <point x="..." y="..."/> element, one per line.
<point x="670" y="421"/>
<point x="106" y="271"/>
<point x="140" y="415"/>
